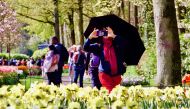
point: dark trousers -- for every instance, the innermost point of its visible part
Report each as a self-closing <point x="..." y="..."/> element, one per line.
<point x="93" y="71"/>
<point x="53" y="78"/>
<point x="59" y="74"/>
<point x="79" y="72"/>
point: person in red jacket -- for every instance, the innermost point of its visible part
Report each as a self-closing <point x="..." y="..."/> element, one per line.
<point x="110" y="51"/>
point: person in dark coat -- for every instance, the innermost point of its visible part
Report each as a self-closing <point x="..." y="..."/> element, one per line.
<point x="79" y="60"/>
<point x="111" y="56"/>
<point x="63" y="53"/>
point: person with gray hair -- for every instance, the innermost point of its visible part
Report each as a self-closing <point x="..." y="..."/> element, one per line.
<point x="79" y="60"/>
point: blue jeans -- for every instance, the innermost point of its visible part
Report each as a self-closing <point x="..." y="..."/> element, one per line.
<point x="79" y="72"/>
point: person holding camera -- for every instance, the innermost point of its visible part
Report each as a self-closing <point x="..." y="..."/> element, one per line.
<point x="110" y="50"/>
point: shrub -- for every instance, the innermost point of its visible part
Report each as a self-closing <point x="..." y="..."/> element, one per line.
<point x="4" y="55"/>
<point x="148" y="70"/>
<point x="39" y="53"/>
<point x="35" y="70"/>
<point x="19" y="56"/>
<point x="184" y="44"/>
<point x="8" y="78"/>
<point x="25" y="71"/>
<point x="15" y="56"/>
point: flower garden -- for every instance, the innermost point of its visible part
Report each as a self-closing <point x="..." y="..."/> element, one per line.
<point x="40" y="95"/>
<point x="71" y="96"/>
<point x="26" y="30"/>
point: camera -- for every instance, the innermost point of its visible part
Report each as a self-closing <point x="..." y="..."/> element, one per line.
<point x="102" y="33"/>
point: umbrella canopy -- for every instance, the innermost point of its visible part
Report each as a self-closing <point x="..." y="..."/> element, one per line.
<point x="134" y="46"/>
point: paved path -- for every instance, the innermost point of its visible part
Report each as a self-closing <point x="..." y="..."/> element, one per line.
<point x="66" y="80"/>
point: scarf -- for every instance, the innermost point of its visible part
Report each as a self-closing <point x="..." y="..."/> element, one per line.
<point x="109" y="54"/>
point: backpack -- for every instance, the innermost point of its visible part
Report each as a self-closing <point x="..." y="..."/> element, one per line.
<point x="94" y="60"/>
<point x="79" y="58"/>
<point x="64" y="55"/>
<point x="75" y="57"/>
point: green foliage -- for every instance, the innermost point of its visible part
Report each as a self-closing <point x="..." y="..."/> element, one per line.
<point x="185" y="53"/>
<point x="19" y="56"/>
<point x="185" y="13"/>
<point x="147" y="65"/>
<point x="35" y="71"/>
<point x="4" y="55"/>
<point x="15" y="56"/>
<point x="29" y="80"/>
<point x="103" y="7"/>
<point x="8" y="78"/>
<point x="37" y="14"/>
<point x="23" y="75"/>
<point x="33" y="42"/>
<point x="39" y="53"/>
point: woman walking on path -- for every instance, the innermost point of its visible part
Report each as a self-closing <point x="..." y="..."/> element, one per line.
<point x="71" y="50"/>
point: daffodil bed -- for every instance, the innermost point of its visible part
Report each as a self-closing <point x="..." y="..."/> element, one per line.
<point x="71" y="96"/>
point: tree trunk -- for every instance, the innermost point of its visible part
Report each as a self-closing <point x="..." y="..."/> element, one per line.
<point x="65" y="36"/>
<point x="8" y="50"/>
<point x="1" y="48"/>
<point x="71" y="26"/>
<point x="168" y="46"/>
<point x="181" y="11"/>
<point x="61" y="35"/>
<point x="56" y="19"/>
<point x="123" y="8"/>
<point x="119" y="12"/>
<point x="80" y="4"/>
<point x="129" y="12"/>
<point x="136" y="16"/>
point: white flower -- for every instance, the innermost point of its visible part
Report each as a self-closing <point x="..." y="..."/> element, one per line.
<point x="19" y="71"/>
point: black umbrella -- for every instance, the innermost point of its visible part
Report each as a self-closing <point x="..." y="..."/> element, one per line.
<point x="134" y="46"/>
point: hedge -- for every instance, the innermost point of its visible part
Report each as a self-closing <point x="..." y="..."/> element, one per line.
<point x="8" y="78"/>
<point x="15" y="56"/>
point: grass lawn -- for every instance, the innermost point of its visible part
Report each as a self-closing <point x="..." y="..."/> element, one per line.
<point x="131" y="71"/>
<point x="31" y="79"/>
<point x="27" y="82"/>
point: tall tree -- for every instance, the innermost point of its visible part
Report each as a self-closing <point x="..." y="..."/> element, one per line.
<point x="80" y="10"/>
<point x="123" y="8"/>
<point x="135" y="16"/>
<point x="71" y="26"/>
<point x="56" y="19"/>
<point x="129" y="11"/>
<point x="168" y="46"/>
